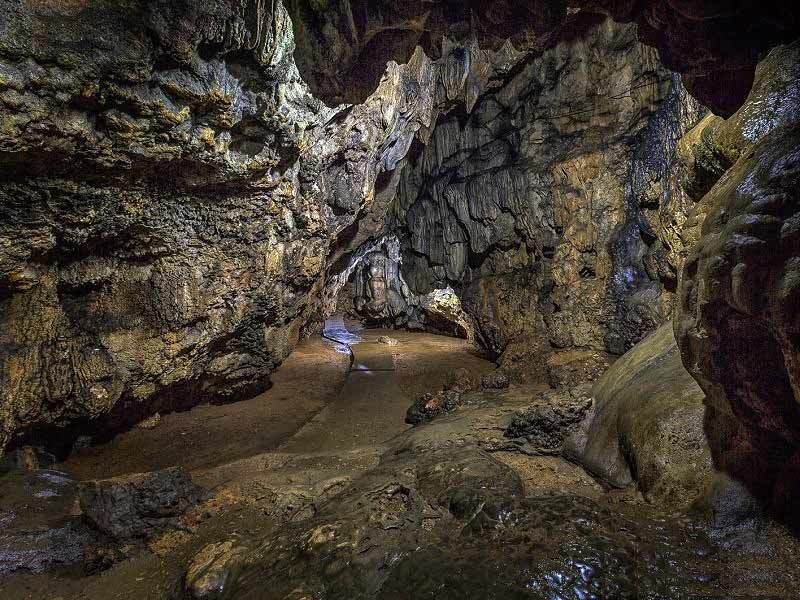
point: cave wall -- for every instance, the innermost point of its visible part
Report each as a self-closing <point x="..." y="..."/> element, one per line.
<point x="737" y="317"/>
<point x="174" y="200"/>
<point x="714" y="44"/>
<point x="553" y="206"/>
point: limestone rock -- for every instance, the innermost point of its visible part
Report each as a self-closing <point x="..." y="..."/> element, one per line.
<point x="150" y="422"/>
<point x="496" y="380"/>
<point x="647" y="425"/>
<point x="543" y="215"/>
<point x="212" y="569"/>
<point x="702" y="40"/>
<point x="429" y="405"/>
<point x="139" y="505"/>
<point x="460" y="380"/>
<point x="737" y="320"/>
<point x="388" y="341"/>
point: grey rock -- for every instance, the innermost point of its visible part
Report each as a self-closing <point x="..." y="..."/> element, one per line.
<point x="139" y="505"/>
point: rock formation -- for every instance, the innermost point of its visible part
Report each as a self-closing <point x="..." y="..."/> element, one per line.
<point x="647" y="425"/>
<point x="551" y="207"/>
<point x="184" y="194"/>
<point x="715" y="44"/>
<point x="172" y="198"/>
<point x="737" y="320"/>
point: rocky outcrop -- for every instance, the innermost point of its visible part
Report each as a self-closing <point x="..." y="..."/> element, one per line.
<point x="550" y="207"/>
<point x="715" y="44"/>
<point x="647" y="425"/>
<point x="737" y="323"/>
<point x="446" y="520"/>
<point x="138" y="506"/>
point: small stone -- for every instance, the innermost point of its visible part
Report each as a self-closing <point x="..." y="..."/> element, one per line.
<point x="428" y="406"/>
<point x="81" y="443"/>
<point x="150" y="422"/>
<point x="211" y="569"/>
<point x="389" y="341"/>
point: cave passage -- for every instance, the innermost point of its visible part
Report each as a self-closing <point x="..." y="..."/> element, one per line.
<point x="357" y="300"/>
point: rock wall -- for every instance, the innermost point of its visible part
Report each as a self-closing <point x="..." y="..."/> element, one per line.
<point x="171" y="200"/>
<point x="551" y="206"/>
<point x="737" y="320"/>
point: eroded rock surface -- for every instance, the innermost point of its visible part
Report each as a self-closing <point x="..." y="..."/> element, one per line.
<point x="172" y="198"/>
<point x="737" y="323"/>
<point x="141" y="505"/>
<point x="716" y="45"/>
<point x="647" y="425"/>
<point x="549" y="207"/>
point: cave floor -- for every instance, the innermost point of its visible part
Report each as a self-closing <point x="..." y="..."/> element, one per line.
<point x="327" y="424"/>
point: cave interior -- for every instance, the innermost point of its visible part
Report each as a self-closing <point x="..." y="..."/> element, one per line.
<point x="350" y="299"/>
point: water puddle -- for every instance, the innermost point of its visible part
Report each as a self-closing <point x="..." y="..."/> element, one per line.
<point x="336" y="332"/>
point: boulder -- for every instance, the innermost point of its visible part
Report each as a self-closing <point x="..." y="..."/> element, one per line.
<point x="552" y="416"/>
<point x="496" y="380"/>
<point x="140" y="505"/>
<point x="461" y="380"/>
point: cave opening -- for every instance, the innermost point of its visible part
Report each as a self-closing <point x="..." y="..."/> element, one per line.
<point x="312" y="300"/>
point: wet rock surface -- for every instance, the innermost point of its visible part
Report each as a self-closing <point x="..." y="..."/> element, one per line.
<point x="141" y="505"/>
<point x="543" y="212"/>
<point x="38" y="527"/>
<point x="455" y="521"/>
<point x="551" y="417"/>
<point x="430" y="405"/>
<point x="647" y="425"/>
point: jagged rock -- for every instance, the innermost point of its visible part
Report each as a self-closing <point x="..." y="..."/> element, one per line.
<point x="516" y="204"/>
<point x="446" y="522"/>
<point x="173" y="199"/>
<point x="430" y="405"/>
<point x="496" y="380"/>
<point x="571" y="368"/>
<point x="150" y="422"/>
<point x="551" y="417"/>
<point x="737" y="319"/>
<point x="647" y="425"/>
<point x="139" y="505"/>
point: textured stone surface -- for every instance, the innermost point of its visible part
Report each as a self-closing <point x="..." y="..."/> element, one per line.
<point x="139" y="505"/>
<point x="430" y="405"/>
<point x="737" y="324"/>
<point x="452" y="522"/>
<point x="551" y="417"/>
<point x="548" y="208"/>
<point x="647" y="425"/>
<point x="716" y="44"/>
<point x="172" y="199"/>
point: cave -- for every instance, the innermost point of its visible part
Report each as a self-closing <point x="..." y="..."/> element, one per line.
<point x="357" y="300"/>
